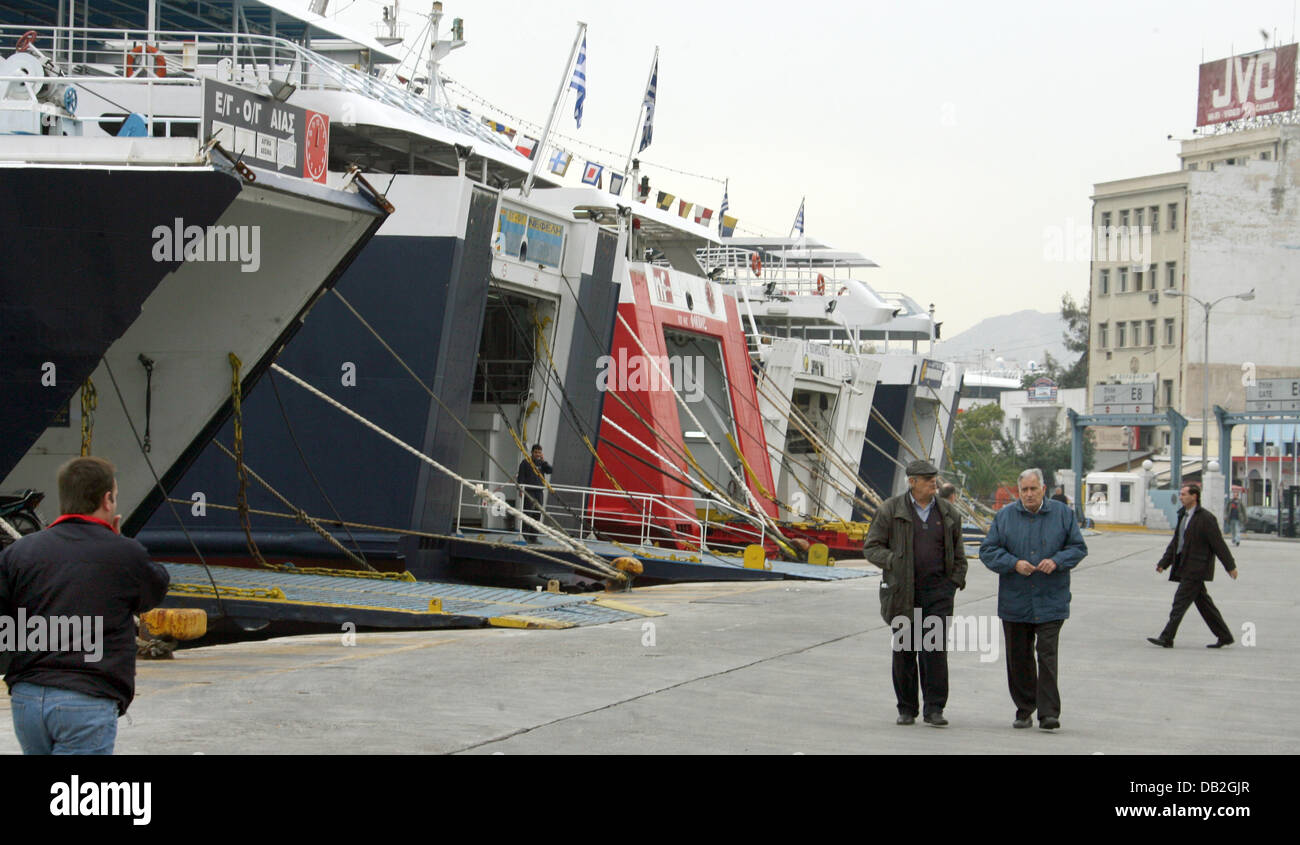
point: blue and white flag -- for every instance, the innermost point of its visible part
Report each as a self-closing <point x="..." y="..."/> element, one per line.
<point x="579" y="82"/>
<point x="615" y="183"/>
<point x="647" y="130"/>
<point x="798" y="218"/>
<point x="560" y="162"/>
<point x="722" y="212"/>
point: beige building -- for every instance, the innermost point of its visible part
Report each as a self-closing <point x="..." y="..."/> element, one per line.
<point x="1227" y="221"/>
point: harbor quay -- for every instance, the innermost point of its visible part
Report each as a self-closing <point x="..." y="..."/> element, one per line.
<point x="780" y="667"/>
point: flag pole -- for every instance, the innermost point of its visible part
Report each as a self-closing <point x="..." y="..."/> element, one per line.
<point x="640" y="112"/>
<point x="555" y="108"/>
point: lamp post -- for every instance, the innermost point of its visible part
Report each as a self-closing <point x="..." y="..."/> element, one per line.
<point x="1205" y="364"/>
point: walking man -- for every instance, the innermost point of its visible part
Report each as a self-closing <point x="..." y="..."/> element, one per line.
<point x="531" y="488"/>
<point x="1191" y="552"/>
<point x="1234" y="520"/>
<point x="86" y="581"/>
<point x="1033" y="545"/>
<point x="915" y="538"/>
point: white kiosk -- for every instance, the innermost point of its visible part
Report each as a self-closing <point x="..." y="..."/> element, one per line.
<point x="1115" y="497"/>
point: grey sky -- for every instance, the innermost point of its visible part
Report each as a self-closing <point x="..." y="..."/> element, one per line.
<point x="947" y="141"/>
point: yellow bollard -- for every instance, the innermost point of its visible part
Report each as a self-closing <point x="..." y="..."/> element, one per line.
<point x="179" y="623"/>
<point x="435" y="605"/>
<point x="819" y="555"/>
<point x="756" y="557"/>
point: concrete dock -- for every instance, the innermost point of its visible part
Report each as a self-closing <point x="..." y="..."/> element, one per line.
<point x="776" y="667"/>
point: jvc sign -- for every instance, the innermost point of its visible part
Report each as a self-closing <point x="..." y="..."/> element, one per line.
<point x="1274" y="394"/>
<point x="265" y="132"/>
<point x="1123" y="399"/>
<point x="1247" y="86"/>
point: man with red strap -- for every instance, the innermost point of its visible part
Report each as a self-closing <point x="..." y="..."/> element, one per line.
<point x="78" y="575"/>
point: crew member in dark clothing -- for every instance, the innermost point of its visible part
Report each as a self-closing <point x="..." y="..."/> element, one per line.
<point x="73" y="589"/>
<point x="532" y="488"/>
<point x="1059" y="496"/>
<point x="915" y="538"/>
<point x="1197" y="541"/>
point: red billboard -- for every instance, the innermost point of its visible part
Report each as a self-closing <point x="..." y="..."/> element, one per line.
<point x="1247" y="86"/>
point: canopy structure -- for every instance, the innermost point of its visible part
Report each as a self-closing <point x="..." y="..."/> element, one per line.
<point x="289" y="19"/>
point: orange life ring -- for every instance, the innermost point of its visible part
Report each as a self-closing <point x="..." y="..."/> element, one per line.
<point x="756" y="264"/>
<point x="843" y="290"/>
<point x="141" y="50"/>
<point x="821" y="285"/>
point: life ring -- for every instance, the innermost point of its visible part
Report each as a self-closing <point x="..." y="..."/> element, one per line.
<point x="756" y="264"/>
<point x="843" y="290"/>
<point x="25" y="41"/>
<point x="141" y="50"/>
<point x="821" y="285"/>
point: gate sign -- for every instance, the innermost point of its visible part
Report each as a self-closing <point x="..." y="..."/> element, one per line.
<point x="1124" y="399"/>
<point x="265" y="132"/>
<point x="1042" y="390"/>
<point x="1274" y="394"/>
<point x="1247" y="86"/>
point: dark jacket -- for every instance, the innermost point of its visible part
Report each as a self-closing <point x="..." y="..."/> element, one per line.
<point x="1019" y="535"/>
<point x="527" y="477"/>
<point x="1202" y="544"/>
<point x="889" y="546"/>
<point x="1233" y="514"/>
<point x="80" y="569"/>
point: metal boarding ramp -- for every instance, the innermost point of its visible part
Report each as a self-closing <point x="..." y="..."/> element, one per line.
<point x="256" y="597"/>
<point x="673" y="537"/>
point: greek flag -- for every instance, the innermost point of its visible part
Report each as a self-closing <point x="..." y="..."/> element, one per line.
<point x="647" y="130"/>
<point x="722" y="212"/>
<point x="798" y="218"/>
<point x="579" y="82"/>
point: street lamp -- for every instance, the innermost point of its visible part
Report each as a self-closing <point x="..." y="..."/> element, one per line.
<point x="1205" y="365"/>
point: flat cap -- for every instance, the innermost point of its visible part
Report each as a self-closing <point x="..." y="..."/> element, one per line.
<point x="922" y="468"/>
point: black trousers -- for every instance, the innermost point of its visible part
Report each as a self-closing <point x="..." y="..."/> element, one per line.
<point x="910" y="648"/>
<point x="529" y="499"/>
<point x="1033" y="687"/>
<point x="1192" y="591"/>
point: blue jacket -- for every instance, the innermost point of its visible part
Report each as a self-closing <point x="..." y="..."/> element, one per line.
<point x="1018" y="534"/>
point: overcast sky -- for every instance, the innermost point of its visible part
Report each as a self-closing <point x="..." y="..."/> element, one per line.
<point x="946" y="141"/>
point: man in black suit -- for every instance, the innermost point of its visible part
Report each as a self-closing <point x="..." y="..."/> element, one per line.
<point x="1191" y="552"/>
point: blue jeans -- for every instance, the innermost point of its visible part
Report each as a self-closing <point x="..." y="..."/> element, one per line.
<point x="1236" y="532"/>
<point x="49" y="720"/>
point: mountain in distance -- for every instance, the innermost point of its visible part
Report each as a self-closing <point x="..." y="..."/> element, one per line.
<point x="1015" y="338"/>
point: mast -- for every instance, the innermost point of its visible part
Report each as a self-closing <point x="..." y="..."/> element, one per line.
<point x="555" y="108"/>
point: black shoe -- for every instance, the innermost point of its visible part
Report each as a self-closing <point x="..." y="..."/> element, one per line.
<point x="1221" y="643"/>
<point x="1049" y="723"/>
<point x="904" y="719"/>
<point x="1027" y="722"/>
<point x="936" y="719"/>
<point x="1160" y="641"/>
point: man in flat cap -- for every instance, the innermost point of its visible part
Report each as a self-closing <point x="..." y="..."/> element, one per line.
<point x="916" y="540"/>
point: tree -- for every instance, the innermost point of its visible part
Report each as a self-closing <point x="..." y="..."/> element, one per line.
<point x="978" y="450"/>
<point x="1076" y="339"/>
<point x="1049" y="450"/>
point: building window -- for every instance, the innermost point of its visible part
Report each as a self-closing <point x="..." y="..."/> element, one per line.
<point x="1105" y="219"/>
<point x="1264" y="156"/>
<point x="1169" y="331"/>
<point x="1173" y="216"/>
<point x="1125" y="492"/>
<point x="1103" y="335"/>
<point x="1140" y="217"/>
<point x="1155" y="218"/>
<point x="1171" y="274"/>
<point x="1123" y="280"/>
<point x="1151" y="332"/>
<point x="1137" y="332"/>
<point x="1103" y="281"/>
<point x="1137" y="280"/>
<point x="1123" y="218"/>
<point x="1119" y="334"/>
<point x="1167" y="391"/>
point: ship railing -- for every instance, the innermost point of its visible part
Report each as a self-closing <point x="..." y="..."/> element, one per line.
<point x="777" y="274"/>
<point x="185" y="58"/>
<point x="632" y="518"/>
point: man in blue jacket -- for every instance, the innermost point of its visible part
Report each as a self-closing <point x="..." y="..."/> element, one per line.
<point x="1033" y="545"/>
